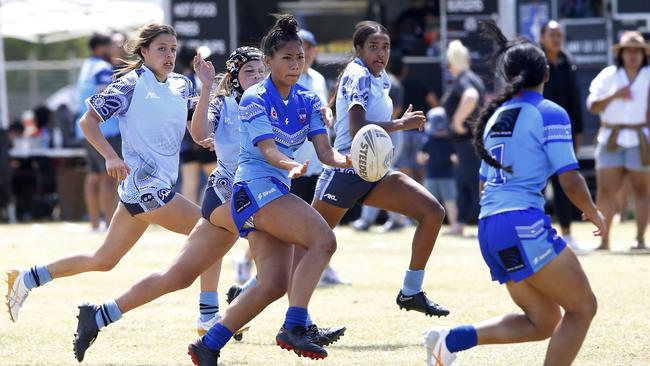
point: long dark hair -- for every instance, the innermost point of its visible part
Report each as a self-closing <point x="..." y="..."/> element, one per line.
<point x="285" y="30"/>
<point x="522" y="64"/>
<point x="362" y="31"/>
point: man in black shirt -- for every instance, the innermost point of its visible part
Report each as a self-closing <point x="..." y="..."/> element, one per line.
<point x="562" y="88"/>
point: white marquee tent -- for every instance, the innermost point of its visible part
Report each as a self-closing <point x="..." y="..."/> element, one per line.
<point x="46" y="21"/>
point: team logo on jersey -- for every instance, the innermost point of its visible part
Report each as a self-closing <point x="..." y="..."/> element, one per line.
<point x="505" y="123"/>
<point x="274" y="114"/>
<point x="164" y="193"/>
<point x="511" y="258"/>
<point x="302" y="113"/>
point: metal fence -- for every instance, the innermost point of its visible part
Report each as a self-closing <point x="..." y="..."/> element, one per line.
<point x="31" y="82"/>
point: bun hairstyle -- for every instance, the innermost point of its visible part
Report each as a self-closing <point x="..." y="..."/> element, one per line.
<point x="285" y="30"/>
<point x="522" y="64"/>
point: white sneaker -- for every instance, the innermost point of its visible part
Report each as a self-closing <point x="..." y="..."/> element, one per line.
<point x="437" y="352"/>
<point x="204" y="327"/>
<point x="330" y="277"/>
<point x="243" y="270"/>
<point x="16" y="292"/>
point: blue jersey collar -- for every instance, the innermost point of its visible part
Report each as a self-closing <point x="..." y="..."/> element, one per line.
<point x="268" y="84"/>
<point x="528" y="95"/>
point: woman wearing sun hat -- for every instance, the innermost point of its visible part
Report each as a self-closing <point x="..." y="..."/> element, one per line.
<point x="620" y="95"/>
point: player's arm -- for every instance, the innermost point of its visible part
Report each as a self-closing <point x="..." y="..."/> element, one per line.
<point x="200" y="127"/>
<point x="327" y="154"/>
<point x="468" y="102"/>
<point x="115" y="167"/>
<point x="275" y="157"/>
<point x="410" y="120"/>
<point x="575" y="187"/>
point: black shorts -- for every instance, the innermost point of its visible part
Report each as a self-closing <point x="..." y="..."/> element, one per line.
<point x="196" y="153"/>
<point x="304" y="187"/>
<point x="342" y="187"/>
<point x="94" y="160"/>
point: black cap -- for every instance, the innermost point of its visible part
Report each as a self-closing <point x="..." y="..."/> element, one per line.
<point x="98" y="39"/>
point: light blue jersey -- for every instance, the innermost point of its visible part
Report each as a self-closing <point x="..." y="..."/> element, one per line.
<point x="95" y="75"/>
<point x="359" y="87"/>
<point x="152" y="118"/>
<point x="223" y="114"/>
<point x="533" y="135"/>
<point x="265" y="115"/>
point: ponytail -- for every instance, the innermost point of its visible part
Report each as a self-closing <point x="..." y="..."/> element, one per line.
<point x="522" y="64"/>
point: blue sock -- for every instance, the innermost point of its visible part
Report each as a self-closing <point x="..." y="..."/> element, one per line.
<point x="250" y="283"/>
<point x="296" y="317"/>
<point x="208" y="305"/>
<point x="461" y="338"/>
<point x="413" y="282"/>
<point x="309" y="321"/>
<point x="37" y="276"/>
<point x="217" y="337"/>
<point x="107" y="314"/>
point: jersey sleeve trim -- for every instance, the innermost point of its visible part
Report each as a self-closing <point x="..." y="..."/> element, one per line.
<point x="320" y="131"/>
<point x="566" y="168"/>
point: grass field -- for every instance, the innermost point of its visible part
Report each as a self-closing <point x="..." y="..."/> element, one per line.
<point x="378" y="332"/>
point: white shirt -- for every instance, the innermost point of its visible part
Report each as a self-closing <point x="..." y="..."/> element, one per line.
<point x="621" y="111"/>
<point x="314" y="82"/>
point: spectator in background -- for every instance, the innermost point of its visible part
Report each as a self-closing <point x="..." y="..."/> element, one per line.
<point x="438" y="155"/>
<point x="620" y="95"/>
<point x="100" y="190"/>
<point x="118" y="49"/>
<point x="562" y="88"/>
<point x="415" y="27"/>
<point x="462" y="102"/>
<point x="305" y="185"/>
<point x="422" y="98"/>
<point x="194" y="158"/>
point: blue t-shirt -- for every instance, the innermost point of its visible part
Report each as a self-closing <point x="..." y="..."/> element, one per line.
<point x="95" y="75"/>
<point x="533" y="135"/>
<point x="265" y="115"/>
<point x="439" y="164"/>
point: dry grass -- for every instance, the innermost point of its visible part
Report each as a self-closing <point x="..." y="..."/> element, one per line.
<point x="378" y="333"/>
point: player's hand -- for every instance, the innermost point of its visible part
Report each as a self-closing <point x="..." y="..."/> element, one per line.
<point x="298" y="170"/>
<point x="204" y="69"/>
<point x="208" y="142"/>
<point x="328" y="116"/>
<point x="413" y="120"/>
<point x="116" y="168"/>
<point x="599" y="220"/>
<point x="348" y="162"/>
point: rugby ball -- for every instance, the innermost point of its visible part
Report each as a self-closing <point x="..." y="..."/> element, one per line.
<point x="372" y="153"/>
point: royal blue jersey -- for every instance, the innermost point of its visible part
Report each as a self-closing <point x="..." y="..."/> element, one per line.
<point x="533" y="135"/>
<point x="264" y="114"/>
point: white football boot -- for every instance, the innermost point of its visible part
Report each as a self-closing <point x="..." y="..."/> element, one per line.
<point x="204" y="327"/>
<point x="16" y="292"/>
<point x="437" y="352"/>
